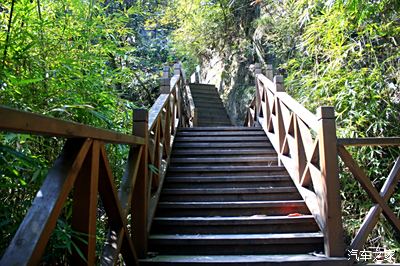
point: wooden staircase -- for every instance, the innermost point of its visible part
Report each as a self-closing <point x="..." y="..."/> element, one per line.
<point x="226" y="201"/>
<point x="210" y="109"/>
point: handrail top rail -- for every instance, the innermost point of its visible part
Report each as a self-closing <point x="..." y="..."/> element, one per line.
<point x="174" y="80"/>
<point x="303" y="113"/>
<point x="369" y="141"/>
<point x="156" y="109"/>
<point x="18" y="121"/>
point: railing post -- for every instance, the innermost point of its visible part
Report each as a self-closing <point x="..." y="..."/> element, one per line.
<point x="140" y="195"/>
<point x="280" y="131"/>
<point x="330" y="205"/>
<point x="179" y="94"/>
<point x="197" y="74"/>
<point x="269" y="73"/>
<point x="165" y="81"/>
<point x="278" y="80"/>
<point x="257" y="71"/>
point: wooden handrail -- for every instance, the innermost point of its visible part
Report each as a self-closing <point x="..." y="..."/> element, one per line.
<point x="392" y="141"/>
<point x="306" y="146"/>
<point x="84" y="168"/>
<point x="24" y="122"/>
<point x="380" y="199"/>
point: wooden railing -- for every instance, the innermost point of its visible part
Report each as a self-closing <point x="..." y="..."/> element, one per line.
<point x="83" y="168"/>
<point x="379" y="199"/>
<point x="306" y="146"/>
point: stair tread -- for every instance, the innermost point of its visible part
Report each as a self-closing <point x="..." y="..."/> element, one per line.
<point x="222" y="139"/>
<point x="231" y="128"/>
<point x="227" y="167"/>
<point x="222" y="144"/>
<point x="229" y="190"/>
<point x="238" y="151"/>
<point x="225" y="194"/>
<point x="225" y="159"/>
<point x="270" y="236"/>
<point x="233" y="204"/>
<point x="222" y="134"/>
<point x="229" y="178"/>
<point x="245" y="259"/>
<point x="243" y="219"/>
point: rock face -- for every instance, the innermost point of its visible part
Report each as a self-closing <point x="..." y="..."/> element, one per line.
<point x="235" y="82"/>
<point x="229" y="68"/>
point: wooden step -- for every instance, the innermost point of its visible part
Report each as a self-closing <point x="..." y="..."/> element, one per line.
<point x="182" y="133"/>
<point x="211" y="112"/>
<point x="223" y="151"/>
<point x="260" y="224"/>
<point x="249" y="260"/>
<point x="217" y="124"/>
<point x="229" y="194"/>
<point x="219" y="129"/>
<point x="231" y="208"/>
<point x="211" y="115"/>
<point x="208" y="105"/>
<point x="210" y="109"/>
<point x="214" y="120"/>
<point x="215" y="160"/>
<point x="225" y="195"/>
<point x="206" y="95"/>
<point x="227" y="181"/>
<point x="226" y="168"/>
<point x="206" y="99"/>
<point x="226" y="145"/>
<point x="214" y="117"/>
<point x="201" y="85"/>
<point x="284" y="243"/>
<point x="222" y="139"/>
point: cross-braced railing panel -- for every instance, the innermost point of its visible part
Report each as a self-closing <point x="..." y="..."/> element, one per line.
<point x="83" y="170"/>
<point x="303" y="142"/>
<point x="381" y="198"/>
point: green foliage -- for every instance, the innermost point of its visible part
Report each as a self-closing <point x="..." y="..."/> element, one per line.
<point x="344" y="54"/>
<point x="207" y="28"/>
<point x="87" y="61"/>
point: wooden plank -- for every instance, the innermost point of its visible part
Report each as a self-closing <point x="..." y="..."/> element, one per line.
<point x="156" y="109"/>
<point x="30" y="240"/>
<point x="391" y="141"/>
<point x="309" y="118"/>
<point x="141" y="191"/>
<point x="269" y="84"/>
<point x="373" y="215"/>
<point x="174" y="81"/>
<point x="364" y="181"/>
<point x="330" y="188"/>
<point x="300" y="153"/>
<point x="23" y="122"/>
<point x="112" y="206"/>
<point x="84" y="208"/>
<point x="114" y="237"/>
<point x="280" y="128"/>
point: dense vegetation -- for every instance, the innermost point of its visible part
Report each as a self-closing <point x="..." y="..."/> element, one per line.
<point x="86" y="61"/>
<point x="345" y="54"/>
<point x="339" y="53"/>
<point x="93" y="61"/>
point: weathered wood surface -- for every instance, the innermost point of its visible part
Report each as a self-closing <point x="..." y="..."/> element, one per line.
<point x="23" y="122"/>
<point x="35" y="230"/>
<point x="84" y="166"/>
<point x="393" y="141"/>
<point x="371" y="219"/>
<point x="306" y="145"/>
